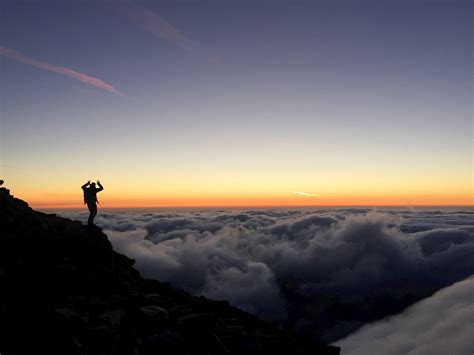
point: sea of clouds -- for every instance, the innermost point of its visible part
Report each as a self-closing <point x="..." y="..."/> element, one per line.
<point x="244" y="256"/>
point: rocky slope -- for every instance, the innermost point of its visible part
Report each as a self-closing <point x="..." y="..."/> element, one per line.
<point x="64" y="290"/>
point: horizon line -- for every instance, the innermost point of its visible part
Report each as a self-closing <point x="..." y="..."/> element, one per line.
<point x="251" y="206"/>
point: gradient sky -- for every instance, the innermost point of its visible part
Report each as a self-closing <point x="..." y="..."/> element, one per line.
<point x="185" y="103"/>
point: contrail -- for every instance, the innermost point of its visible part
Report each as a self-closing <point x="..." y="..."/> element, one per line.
<point x="304" y="193"/>
<point x="7" y="52"/>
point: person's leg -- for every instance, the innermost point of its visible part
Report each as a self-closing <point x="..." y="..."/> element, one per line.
<point x="92" y="212"/>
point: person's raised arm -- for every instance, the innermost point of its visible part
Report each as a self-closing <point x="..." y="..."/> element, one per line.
<point x="100" y="186"/>
<point x="86" y="184"/>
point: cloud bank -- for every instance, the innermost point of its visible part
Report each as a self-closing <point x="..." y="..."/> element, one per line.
<point x="87" y="79"/>
<point x="439" y="325"/>
<point x="356" y="265"/>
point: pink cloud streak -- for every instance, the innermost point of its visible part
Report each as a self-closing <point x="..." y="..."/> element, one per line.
<point x="90" y="80"/>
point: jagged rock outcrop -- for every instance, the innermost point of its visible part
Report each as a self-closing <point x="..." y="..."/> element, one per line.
<point x="64" y="290"/>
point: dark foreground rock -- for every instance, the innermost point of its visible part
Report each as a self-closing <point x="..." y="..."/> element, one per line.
<point x="63" y="290"/>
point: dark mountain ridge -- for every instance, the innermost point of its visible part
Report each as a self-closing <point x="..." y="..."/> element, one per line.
<point x="64" y="290"/>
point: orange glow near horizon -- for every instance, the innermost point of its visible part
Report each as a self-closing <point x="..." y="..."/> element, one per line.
<point x="245" y="191"/>
<point x="253" y="201"/>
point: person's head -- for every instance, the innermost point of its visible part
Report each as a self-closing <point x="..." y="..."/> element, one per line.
<point x="92" y="184"/>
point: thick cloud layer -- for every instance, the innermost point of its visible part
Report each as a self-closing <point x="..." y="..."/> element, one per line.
<point x="256" y="258"/>
<point x="439" y="325"/>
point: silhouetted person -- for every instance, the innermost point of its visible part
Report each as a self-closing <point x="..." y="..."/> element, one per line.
<point x="90" y="198"/>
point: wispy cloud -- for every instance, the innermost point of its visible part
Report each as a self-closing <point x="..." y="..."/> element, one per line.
<point x="154" y="23"/>
<point x="304" y="193"/>
<point x="90" y="80"/>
